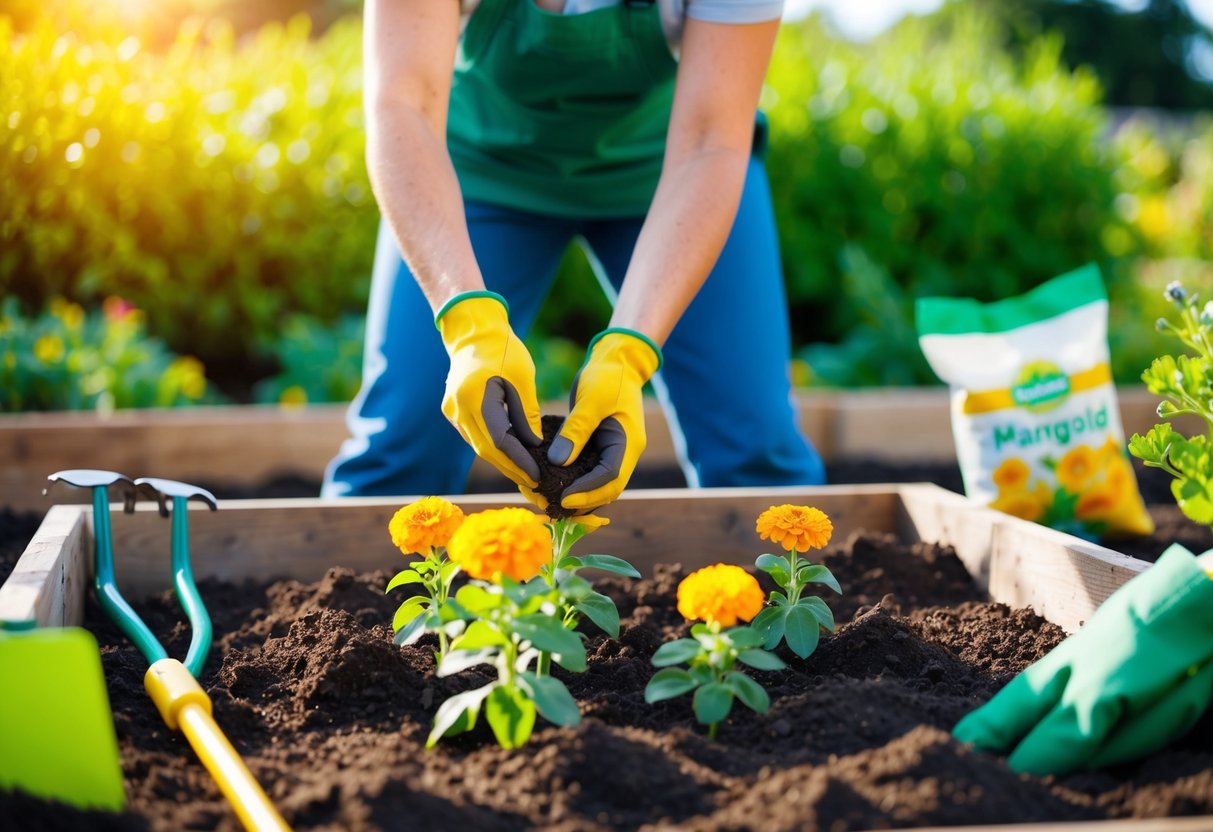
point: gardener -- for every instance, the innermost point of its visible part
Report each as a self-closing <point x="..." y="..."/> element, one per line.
<point x="499" y="132"/>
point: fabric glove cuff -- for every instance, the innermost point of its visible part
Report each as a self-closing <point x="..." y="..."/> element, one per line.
<point x="462" y="315"/>
<point x="634" y="349"/>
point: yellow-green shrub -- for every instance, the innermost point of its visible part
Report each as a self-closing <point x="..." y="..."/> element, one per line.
<point x="218" y="185"/>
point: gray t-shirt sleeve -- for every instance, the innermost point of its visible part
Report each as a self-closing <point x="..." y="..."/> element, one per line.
<point x="732" y="11"/>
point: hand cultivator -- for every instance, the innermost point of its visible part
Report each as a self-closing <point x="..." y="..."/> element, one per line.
<point x="172" y="684"/>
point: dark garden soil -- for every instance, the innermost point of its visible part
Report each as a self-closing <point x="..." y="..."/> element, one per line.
<point x="332" y="718"/>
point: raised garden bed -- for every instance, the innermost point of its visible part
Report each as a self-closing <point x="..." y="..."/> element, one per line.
<point x="332" y="717"/>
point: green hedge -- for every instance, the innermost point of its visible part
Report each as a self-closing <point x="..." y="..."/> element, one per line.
<point x="933" y="157"/>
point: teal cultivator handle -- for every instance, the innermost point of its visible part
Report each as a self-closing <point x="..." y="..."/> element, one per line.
<point x="105" y="582"/>
<point x="183" y="576"/>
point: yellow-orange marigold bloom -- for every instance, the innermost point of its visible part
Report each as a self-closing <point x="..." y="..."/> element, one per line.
<point x="721" y="593"/>
<point x="1076" y="468"/>
<point x="425" y="524"/>
<point x="795" y="527"/>
<point x="502" y="541"/>
<point x="1012" y="473"/>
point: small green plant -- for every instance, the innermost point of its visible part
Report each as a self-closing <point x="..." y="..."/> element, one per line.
<point x="69" y="359"/>
<point x="424" y="528"/>
<point x="794" y="617"/>
<point x="507" y="616"/>
<point x="721" y="595"/>
<point x="1186" y="383"/>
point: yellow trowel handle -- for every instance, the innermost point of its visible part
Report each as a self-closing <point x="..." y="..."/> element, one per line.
<point x="185" y="706"/>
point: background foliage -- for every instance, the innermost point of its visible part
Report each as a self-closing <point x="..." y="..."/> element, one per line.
<point x="216" y="181"/>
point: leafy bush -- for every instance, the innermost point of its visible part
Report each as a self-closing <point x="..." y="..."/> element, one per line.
<point x="947" y="164"/>
<point x="317" y="362"/>
<point x="218" y="186"/>
<point x="67" y="359"/>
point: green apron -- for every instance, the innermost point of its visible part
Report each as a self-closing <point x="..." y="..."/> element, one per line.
<point x="561" y="114"/>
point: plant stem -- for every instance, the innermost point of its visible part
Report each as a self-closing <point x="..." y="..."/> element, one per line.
<point x="544" y="667"/>
<point x="712" y="730"/>
<point x="793" y="579"/>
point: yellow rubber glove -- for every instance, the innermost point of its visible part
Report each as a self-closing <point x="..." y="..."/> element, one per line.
<point x="607" y="415"/>
<point x="491" y="385"/>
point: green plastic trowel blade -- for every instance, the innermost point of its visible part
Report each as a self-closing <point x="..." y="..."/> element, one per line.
<point x="57" y="736"/>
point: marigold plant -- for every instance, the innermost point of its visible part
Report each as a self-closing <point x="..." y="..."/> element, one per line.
<point x="577" y="595"/>
<point x="519" y="613"/>
<point x="424" y="528"/>
<point x="795" y="527"/>
<point x="425" y="524"/>
<point x="720" y="595"/>
<point x="505" y="541"/>
<point x="793" y="618"/>
<point x="723" y="593"/>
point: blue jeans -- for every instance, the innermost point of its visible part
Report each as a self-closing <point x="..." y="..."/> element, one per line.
<point x="724" y="385"/>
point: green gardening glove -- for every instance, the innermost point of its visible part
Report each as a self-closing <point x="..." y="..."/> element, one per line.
<point x="1136" y="676"/>
<point x="491" y="385"/>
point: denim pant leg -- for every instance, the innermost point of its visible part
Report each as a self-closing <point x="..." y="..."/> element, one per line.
<point x="400" y="443"/>
<point x="725" y="384"/>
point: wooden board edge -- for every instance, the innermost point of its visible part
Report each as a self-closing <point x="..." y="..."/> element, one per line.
<point x="1019" y="563"/>
<point x="269" y="539"/>
<point x="50" y="579"/>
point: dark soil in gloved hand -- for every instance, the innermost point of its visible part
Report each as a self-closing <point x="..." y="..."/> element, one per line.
<point x="554" y="479"/>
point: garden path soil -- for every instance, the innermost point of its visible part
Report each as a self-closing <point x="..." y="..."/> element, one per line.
<point x="332" y="718"/>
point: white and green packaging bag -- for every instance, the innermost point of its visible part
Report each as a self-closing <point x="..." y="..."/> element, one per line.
<point x="1034" y="410"/>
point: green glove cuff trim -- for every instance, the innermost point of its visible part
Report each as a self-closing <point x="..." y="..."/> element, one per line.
<point x="462" y="296"/>
<point x="963" y="316"/>
<point x="625" y="331"/>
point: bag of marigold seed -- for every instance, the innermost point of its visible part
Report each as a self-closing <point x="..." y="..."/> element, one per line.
<point x="1034" y="410"/>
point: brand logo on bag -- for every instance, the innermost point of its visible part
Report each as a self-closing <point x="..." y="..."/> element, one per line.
<point x="1040" y="386"/>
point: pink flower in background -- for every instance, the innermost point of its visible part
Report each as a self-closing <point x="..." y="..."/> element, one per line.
<point x="116" y="309"/>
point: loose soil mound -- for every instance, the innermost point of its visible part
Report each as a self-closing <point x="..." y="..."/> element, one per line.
<point x="332" y="718"/>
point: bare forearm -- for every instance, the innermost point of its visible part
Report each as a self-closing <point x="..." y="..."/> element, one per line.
<point x="415" y="185"/>
<point x="687" y="225"/>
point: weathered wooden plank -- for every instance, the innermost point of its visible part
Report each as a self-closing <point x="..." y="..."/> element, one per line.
<point x="242" y="446"/>
<point x="52" y="576"/>
<point x="304" y="538"/>
<point x="1019" y="563"/>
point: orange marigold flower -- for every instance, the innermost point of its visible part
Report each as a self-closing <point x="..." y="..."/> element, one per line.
<point x="720" y="593"/>
<point x="795" y="527"/>
<point x="502" y="541"/>
<point x="1012" y="473"/>
<point x="424" y="525"/>
<point x="1076" y="468"/>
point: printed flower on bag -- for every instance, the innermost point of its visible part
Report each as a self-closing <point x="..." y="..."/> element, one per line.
<point x="795" y="527"/>
<point x="1077" y="467"/>
<point x="424" y="525"/>
<point x="1027" y="505"/>
<point x="506" y="541"/>
<point x="723" y="593"/>
<point x="1011" y="474"/>
<point x="1094" y="488"/>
